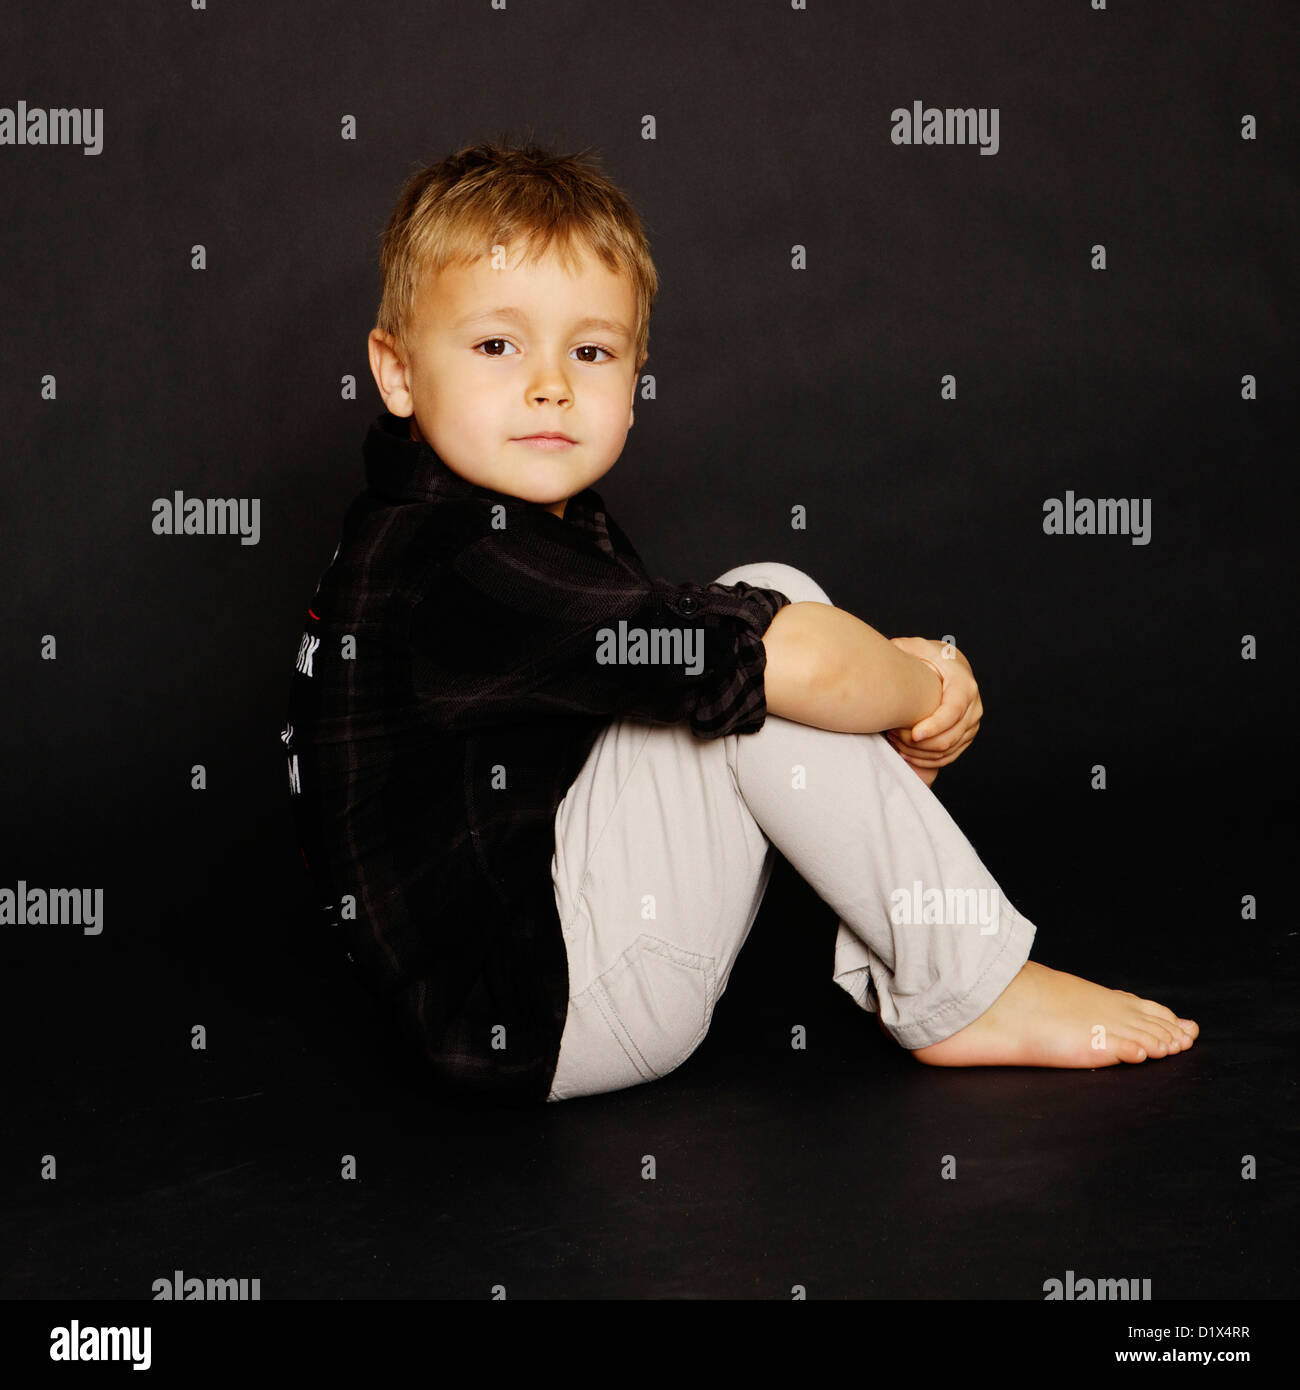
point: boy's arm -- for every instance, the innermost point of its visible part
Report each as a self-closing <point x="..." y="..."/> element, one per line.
<point x="829" y="669"/>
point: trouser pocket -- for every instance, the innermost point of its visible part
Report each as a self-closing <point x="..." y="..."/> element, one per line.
<point x="658" y="1000"/>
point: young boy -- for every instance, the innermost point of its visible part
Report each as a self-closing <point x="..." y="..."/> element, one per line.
<point x="538" y="790"/>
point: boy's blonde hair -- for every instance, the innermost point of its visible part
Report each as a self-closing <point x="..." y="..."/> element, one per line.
<point x="454" y="211"/>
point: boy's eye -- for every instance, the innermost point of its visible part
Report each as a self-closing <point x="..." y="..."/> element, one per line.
<point x="491" y="344"/>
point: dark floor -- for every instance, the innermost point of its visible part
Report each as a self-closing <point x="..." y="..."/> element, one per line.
<point x="773" y="1168"/>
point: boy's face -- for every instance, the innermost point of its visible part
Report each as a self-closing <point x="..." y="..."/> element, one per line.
<point x="481" y="381"/>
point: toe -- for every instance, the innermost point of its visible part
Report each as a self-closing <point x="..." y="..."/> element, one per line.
<point x="1182" y="1031"/>
<point x="1166" y="1030"/>
<point x="1158" y="1010"/>
<point x="1128" y="1050"/>
<point x="1152" y="1042"/>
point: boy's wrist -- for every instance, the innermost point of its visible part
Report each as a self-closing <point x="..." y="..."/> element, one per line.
<point x="909" y="646"/>
<point x="934" y="667"/>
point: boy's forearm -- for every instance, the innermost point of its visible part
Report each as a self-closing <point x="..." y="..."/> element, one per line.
<point x="829" y="669"/>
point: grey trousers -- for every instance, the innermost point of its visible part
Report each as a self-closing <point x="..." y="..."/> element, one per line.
<point x="664" y="849"/>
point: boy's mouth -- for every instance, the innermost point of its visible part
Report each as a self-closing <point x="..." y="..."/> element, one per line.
<point x="550" y="439"/>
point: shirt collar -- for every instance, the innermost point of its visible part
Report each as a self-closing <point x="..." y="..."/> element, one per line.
<point x="403" y="469"/>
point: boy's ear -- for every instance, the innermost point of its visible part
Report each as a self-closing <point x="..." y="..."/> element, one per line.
<point x="389" y="372"/>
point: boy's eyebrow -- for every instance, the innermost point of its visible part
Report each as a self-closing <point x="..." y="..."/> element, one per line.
<point x="518" y="316"/>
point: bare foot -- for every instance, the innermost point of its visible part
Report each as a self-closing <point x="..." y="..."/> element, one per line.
<point x="1046" y="1018"/>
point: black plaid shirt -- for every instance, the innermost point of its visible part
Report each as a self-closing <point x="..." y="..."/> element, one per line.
<point x="446" y="692"/>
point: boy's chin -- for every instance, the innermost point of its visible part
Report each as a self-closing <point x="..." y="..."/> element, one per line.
<point x="550" y="505"/>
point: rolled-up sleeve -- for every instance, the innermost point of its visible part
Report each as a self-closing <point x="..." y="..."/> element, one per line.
<point x="526" y="623"/>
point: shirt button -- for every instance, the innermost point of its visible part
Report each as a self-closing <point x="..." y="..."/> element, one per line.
<point x="688" y="604"/>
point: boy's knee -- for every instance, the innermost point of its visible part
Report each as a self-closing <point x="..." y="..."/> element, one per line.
<point x="797" y="586"/>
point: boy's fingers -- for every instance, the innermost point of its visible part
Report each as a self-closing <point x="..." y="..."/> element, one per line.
<point x="938" y="752"/>
<point x="902" y="740"/>
<point x="937" y="723"/>
<point x="956" y="737"/>
<point x="933" y="759"/>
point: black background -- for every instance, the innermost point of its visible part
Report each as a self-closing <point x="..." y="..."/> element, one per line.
<point x="773" y="388"/>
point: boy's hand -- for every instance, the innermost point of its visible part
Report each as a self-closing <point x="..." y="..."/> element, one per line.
<point x="944" y="735"/>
